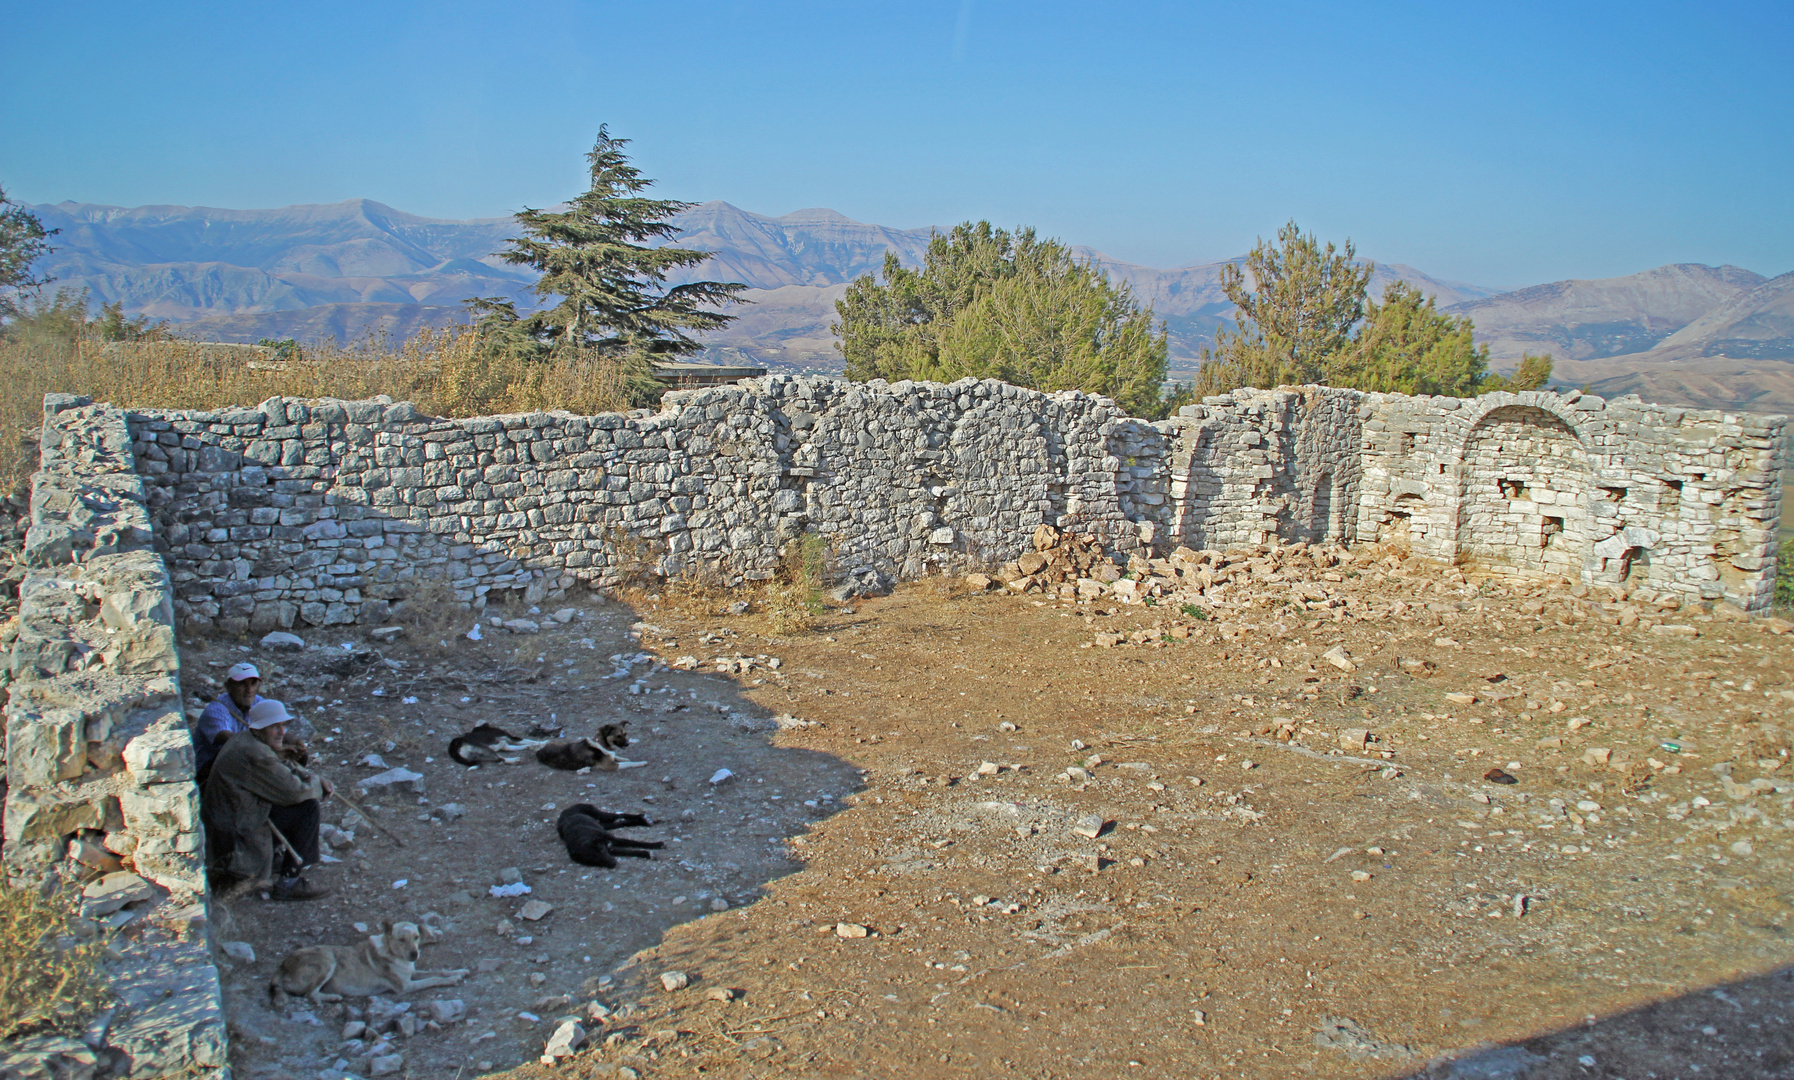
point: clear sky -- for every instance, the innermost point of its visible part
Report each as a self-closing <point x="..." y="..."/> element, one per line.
<point x="1500" y="143"/>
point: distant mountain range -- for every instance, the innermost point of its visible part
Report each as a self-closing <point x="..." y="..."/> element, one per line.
<point x="346" y="269"/>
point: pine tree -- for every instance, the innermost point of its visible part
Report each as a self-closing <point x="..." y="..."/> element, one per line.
<point x="597" y="259"/>
<point x="1406" y="346"/>
<point x="989" y="304"/>
<point x="23" y="239"/>
<point x="1301" y="310"/>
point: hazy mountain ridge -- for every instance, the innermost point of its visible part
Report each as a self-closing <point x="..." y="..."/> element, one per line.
<point x="346" y="269"/>
<point x="1590" y="319"/>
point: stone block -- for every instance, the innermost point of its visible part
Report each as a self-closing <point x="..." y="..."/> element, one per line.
<point x="163" y="754"/>
<point x="44" y="746"/>
<point x="160" y="810"/>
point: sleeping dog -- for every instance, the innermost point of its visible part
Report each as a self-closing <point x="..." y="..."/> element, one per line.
<point x="385" y="962"/>
<point x="583" y="828"/>
<point x="599" y="753"/>
<point x="487" y="745"/>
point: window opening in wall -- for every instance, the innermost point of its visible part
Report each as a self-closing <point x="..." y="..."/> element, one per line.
<point x="1512" y="489"/>
<point x="1672" y="495"/>
<point x="1442" y="468"/>
<point x="1612" y="494"/>
<point x="1635" y="564"/>
<point x="1553" y="528"/>
<point x="1404" y="443"/>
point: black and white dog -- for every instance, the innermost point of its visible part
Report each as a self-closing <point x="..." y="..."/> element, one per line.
<point x="488" y="745"/>
<point x="599" y="753"/>
<point x="585" y="830"/>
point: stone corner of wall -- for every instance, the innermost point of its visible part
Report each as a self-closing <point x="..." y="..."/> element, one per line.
<point x="99" y="759"/>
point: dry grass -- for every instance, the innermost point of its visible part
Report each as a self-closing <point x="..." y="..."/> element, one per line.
<point x="446" y="373"/>
<point x="794" y="599"/>
<point x="49" y="978"/>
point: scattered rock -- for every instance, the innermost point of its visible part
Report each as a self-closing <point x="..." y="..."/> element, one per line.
<point x="385" y="634"/>
<point x="1091" y="826"/>
<point x="386" y="1064"/>
<point x="397" y="778"/>
<point x="240" y="951"/>
<point x="674" y="980"/>
<point x="568" y="1037"/>
<point x="281" y="641"/>
<point x="449" y="1011"/>
<point x="1499" y="776"/>
<point x="720" y="993"/>
<point x="510" y="875"/>
<point x="1339" y="658"/>
<point x="534" y="910"/>
<point x="1497" y="1063"/>
<point x="850" y="930"/>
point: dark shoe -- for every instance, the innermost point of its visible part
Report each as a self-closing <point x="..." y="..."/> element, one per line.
<point x="298" y="889"/>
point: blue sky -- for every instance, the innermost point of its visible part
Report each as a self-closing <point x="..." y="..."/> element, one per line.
<point x="1504" y="144"/>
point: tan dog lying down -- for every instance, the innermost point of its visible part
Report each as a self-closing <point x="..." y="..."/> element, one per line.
<point x="385" y="962"/>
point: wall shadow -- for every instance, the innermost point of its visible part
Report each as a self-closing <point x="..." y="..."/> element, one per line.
<point x="1738" y="1029"/>
<point x="728" y="841"/>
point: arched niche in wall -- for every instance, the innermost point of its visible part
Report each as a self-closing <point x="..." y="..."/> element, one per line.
<point x="1524" y="497"/>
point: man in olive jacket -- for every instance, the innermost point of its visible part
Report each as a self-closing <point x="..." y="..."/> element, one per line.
<point x="251" y="787"/>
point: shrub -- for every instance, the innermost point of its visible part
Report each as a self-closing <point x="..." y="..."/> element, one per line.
<point x="1784" y="574"/>
<point x="795" y="597"/>
<point x="49" y="978"/>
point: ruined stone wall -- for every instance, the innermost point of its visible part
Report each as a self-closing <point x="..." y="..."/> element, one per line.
<point x="315" y="513"/>
<point x="1254" y="465"/>
<point x="99" y="761"/>
<point x="1615" y="493"/>
<point x="328" y="512"/>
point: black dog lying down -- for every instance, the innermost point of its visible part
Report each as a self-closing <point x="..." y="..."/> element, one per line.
<point x="486" y="745"/>
<point x="583" y="828"/>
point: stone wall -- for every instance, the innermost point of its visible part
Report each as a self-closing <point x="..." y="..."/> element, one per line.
<point x="1615" y="493"/>
<point x="99" y="762"/>
<point x="329" y="512"/>
<point x="324" y="512"/>
<point x="1255" y="465"/>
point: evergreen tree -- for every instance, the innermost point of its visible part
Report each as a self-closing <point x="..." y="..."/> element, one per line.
<point x="1532" y="373"/>
<point x="596" y="259"/>
<point x="1301" y="310"/>
<point x="23" y="239"/>
<point x="989" y="304"/>
<point x="1406" y="346"/>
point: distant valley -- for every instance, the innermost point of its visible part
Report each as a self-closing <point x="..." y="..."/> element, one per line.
<point x="1686" y="333"/>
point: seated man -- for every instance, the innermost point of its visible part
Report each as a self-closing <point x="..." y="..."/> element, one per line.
<point x="224" y="716"/>
<point x="250" y="788"/>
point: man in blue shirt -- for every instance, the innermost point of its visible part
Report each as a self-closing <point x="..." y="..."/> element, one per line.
<point x="227" y="714"/>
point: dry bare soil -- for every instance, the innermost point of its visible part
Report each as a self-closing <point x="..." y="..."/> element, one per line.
<point x="1259" y="901"/>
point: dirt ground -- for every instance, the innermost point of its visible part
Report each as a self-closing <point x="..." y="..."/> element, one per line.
<point x="1259" y="900"/>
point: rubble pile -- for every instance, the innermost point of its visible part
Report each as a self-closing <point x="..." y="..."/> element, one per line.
<point x="1278" y="587"/>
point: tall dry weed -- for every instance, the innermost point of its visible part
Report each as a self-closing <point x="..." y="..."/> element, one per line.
<point x="794" y="599"/>
<point x="50" y="979"/>
<point x="445" y="372"/>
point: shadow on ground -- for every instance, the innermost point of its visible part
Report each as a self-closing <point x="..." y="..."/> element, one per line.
<point x="1740" y="1029"/>
<point x="463" y="829"/>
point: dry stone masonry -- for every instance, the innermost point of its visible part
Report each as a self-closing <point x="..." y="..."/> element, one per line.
<point x="99" y="762"/>
<point x="326" y="512"/>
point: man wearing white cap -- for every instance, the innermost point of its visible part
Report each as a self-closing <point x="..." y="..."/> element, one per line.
<point x="225" y="716"/>
<point x="251" y="788"/>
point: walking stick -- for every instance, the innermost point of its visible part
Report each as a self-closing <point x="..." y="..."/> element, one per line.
<point x="362" y="810"/>
<point x="288" y="844"/>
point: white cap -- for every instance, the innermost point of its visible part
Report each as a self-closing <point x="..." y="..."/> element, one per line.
<point x="239" y="672"/>
<point x="266" y="714"/>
